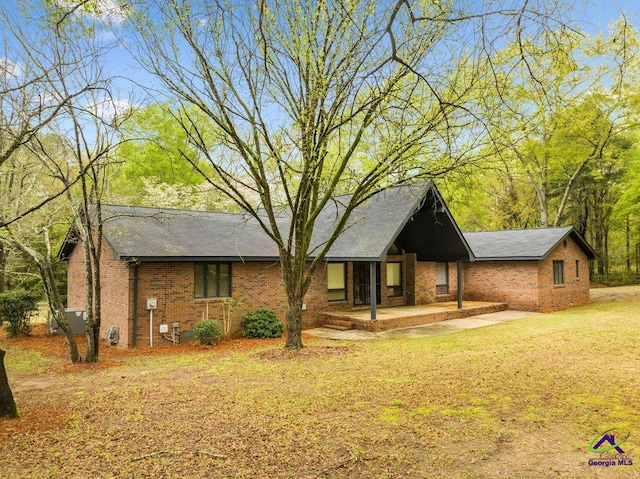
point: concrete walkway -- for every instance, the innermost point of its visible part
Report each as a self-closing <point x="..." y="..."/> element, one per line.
<point x="433" y="329"/>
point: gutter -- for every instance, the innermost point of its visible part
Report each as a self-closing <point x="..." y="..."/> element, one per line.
<point x="134" y="316"/>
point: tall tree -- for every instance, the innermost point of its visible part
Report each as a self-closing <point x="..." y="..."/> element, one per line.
<point x="27" y="180"/>
<point x="557" y="128"/>
<point x="294" y="89"/>
<point x="28" y="106"/>
<point x="89" y="127"/>
<point x="151" y="167"/>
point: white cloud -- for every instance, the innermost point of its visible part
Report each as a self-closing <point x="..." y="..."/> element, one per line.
<point x="108" y="11"/>
<point x="109" y="108"/>
<point x="10" y="69"/>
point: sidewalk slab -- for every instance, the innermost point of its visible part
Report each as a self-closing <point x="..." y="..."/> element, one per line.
<point x="432" y="329"/>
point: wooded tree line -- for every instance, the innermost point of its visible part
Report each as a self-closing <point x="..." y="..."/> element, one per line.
<point x="565" y="152"/>
<point x="523" y="120"/>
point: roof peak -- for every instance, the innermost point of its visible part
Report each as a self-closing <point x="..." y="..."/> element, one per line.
<point x="539" y="228"/>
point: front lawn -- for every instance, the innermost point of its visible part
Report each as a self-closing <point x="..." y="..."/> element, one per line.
<point x="517" y="399"/>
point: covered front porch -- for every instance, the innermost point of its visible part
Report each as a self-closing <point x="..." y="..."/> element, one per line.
<point x="405" y="316"/>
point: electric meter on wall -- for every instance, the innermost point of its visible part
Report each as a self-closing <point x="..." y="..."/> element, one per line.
<point x="152" y="303"/>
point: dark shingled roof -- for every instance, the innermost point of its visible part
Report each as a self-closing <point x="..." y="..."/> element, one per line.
<point x="413" y="217"/>
<point x="158" y="234"/>
<point x="522" y="245"/>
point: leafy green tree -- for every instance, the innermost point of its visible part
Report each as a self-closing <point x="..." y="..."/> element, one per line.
<point x="557" y="128"/>
<point x="156" y="147"/>
<point x="153" y="166"/>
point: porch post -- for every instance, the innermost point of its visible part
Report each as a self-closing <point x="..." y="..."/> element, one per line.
<point x="372" y="289"/>
<point x="460" y="284"/>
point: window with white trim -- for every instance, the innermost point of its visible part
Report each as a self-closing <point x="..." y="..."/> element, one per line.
<point x="442" y="278"/>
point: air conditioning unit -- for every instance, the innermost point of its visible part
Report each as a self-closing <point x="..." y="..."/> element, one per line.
<point x="77" y="319"/>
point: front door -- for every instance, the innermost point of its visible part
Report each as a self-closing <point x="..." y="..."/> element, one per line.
<point x="362" y="284"/>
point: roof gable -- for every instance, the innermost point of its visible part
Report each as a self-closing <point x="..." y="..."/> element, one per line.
<point x="522" y="245"/>
<point x="415" y="217"/>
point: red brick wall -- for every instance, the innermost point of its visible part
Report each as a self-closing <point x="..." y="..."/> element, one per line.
<point x="425" y="283"/>
<point x="76" y="286"/>
<point x="511" y="282"/>
<point x="528" y="285"/>
<point x="254" y="285"/>
<point x="115" y="279"/>
<point x="575" y="290"/>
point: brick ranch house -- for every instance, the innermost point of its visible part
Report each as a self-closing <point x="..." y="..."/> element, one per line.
<point x="165" y="270"/>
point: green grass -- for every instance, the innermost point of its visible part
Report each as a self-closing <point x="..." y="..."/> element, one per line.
<point x="517" y="399"/>
<point x="26" y="361"/>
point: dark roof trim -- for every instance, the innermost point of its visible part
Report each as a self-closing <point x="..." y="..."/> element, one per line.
<point x="70" y="241"/>
<point x="439" y="197"/>
<point x="199" y="259"/>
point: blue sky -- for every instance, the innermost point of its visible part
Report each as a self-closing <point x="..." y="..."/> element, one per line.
<point x="593" y="16"/>
<point x="599" y="13"/>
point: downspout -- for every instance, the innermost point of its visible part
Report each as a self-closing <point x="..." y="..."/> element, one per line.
<point x="134" y="317"/>
<point x="460" y="284"/>
<point x="372" y="289"/>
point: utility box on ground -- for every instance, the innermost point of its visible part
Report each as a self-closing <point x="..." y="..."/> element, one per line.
<point x="77" y="319"/>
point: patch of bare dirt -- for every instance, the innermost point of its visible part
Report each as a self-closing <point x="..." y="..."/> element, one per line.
<point x="618" y="293"/>
<point x="304" y="353"/>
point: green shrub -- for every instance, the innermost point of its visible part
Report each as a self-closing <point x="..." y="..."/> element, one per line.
<point x="262" y="323"/>
<point x="207" y="331"/>
<point x="15" y="310"/>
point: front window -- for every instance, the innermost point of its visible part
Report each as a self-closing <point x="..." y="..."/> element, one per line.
<point x="577" y="269"/>
<point x="558" y="272"/>
<point x="394" y="279"/>
<point x="442" y="278"/>
<point x="336" y="281"/>
<point x="212" y="280"/>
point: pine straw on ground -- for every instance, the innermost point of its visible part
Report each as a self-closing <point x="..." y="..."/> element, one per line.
<point x="56" y="349"/>
<point x="56" y="346"/>
<point x="517" y="399"/>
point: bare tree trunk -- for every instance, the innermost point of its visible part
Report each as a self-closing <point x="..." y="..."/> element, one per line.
<point x="92" y="257"/>
<point x="8" y="408"/>
<point x="3" y="264"/>
<point x="56" y="308"/>
<point x="91" y="355"/>
<point x="55" y="302"/>
<point x="567" y="191"/>
<point x="294" y="323"/>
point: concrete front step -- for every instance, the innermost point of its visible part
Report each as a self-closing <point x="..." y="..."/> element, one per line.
<point x="392" y="318"/>
<point x="339" y="324"/>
